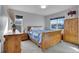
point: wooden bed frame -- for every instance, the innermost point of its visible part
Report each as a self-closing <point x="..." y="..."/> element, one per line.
<point x="49" y="39"/>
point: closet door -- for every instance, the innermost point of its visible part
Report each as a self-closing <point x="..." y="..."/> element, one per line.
<point x="71" y="30"/>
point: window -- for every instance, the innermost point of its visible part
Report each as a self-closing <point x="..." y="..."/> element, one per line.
<point x="53" y="24"/>
<point x="19" y="23"/>
<point x="57" y="23"/>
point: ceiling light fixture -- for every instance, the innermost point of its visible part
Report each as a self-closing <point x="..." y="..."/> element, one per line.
<point x="43" y="6"/>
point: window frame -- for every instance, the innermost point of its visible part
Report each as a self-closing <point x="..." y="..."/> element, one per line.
<point x="57" y="25"/>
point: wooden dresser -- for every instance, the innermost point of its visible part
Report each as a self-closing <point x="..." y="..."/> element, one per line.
<point x="12" y="42"/>
<point x="71" y="30"/>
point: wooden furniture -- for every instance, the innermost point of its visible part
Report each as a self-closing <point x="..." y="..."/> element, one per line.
<point x="49" y="39"/>
<point x="24" y="36"/>
<point x="12" y="42"/>
<point x="71" y="30"/>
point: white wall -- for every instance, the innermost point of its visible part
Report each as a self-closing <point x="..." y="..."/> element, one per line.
<point x="78" y="10"/>
<point x="0" y="20"/>
<point x="59" y="14"/>
<point x="30" y="19"/>
<point x="0" y="28"/>
<point x="34" y="19"/>
<point x="3" y="23"/>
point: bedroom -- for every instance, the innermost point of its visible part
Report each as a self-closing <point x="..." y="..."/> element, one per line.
<point x="50" y="18"/>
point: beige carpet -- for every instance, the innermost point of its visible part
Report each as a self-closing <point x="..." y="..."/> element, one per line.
<point x="62" y="47"/>
<point x="29" y="47"/>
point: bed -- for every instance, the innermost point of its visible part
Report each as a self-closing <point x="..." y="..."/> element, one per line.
<point x="45" y="38"/>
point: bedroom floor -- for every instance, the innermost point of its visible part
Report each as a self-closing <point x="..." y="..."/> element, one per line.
<point x="0" y="47"/>
<point x="62" y="47"/>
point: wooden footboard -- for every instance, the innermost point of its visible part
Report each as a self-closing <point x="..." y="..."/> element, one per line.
<point x="50" y="39"/>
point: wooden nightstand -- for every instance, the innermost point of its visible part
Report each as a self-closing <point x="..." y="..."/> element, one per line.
<point x="24" y="36"/>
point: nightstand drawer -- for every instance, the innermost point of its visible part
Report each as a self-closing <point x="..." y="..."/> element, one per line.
<point x="24" y="36"/>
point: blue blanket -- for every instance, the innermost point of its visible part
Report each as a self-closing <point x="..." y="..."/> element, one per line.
<point x="36" y="35"/>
